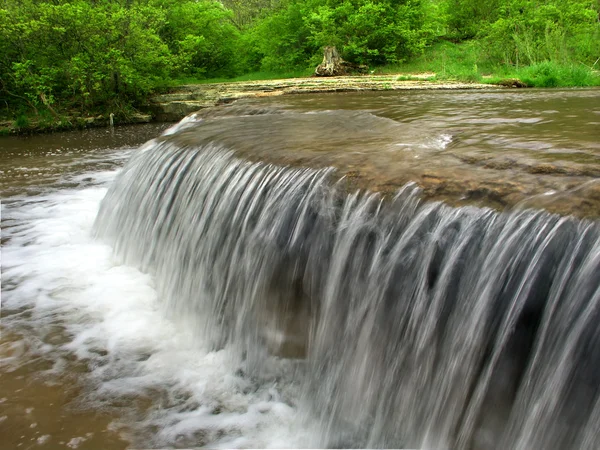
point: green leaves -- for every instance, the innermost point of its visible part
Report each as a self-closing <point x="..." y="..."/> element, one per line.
<point x="528" y="32"/>
<point x="364" y="31"/>
<point x="86" y="54"/>
<point x="91" y="54"/>
<point x="202" y="37"/>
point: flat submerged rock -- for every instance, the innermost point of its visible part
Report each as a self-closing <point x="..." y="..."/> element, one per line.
<point x="458" y="147"/>
<point x="186" y="99"/>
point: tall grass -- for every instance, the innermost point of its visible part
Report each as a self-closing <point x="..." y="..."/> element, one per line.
<point x="470" y="62"/>
<point x="550" y="74"/>
<point x="461" y="62"/>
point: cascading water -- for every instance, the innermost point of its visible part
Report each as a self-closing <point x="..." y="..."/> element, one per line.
<point x="422" y="325"/>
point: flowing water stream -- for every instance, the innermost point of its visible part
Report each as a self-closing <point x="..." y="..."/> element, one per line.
<point x="198" y="291"/>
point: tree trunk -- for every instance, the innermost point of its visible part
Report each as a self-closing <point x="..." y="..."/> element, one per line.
<point x="332" y="64"/>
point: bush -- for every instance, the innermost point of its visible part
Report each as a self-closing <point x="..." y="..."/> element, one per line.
<point x="91" y="54"/>
<point x="22" y="121"/>
<point x="549" y="74"/>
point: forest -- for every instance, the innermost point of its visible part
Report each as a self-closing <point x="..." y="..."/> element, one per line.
<point x="86" y="55"/>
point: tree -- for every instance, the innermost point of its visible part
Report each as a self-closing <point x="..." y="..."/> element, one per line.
<point x="202" y="35"/>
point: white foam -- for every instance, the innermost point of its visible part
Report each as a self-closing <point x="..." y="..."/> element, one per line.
<point x="114" y="322"/>
<point x="43" y="439"/>
<point x="186" y="122"/>
<point x="439" y="142"/>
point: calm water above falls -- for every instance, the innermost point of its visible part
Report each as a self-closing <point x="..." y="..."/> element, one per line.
<point x="216" y="302"/>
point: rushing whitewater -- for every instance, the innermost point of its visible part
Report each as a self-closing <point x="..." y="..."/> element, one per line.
<point x="422" y="325"/>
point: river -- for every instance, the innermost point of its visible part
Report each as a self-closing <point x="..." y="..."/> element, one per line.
<point x="197" y="299"/>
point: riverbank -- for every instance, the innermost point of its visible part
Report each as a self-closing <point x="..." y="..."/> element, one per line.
<point x="35" y="125"/>
<point x="176" y="102"/>
<point x="183" y="100"/>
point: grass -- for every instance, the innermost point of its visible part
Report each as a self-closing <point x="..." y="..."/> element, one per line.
<point x="550" y="75"/>
<point x="448" y="61"/>
<point x="466" y="62"/>
<point x="254" y="76"/>
<point x="22" y="121"/>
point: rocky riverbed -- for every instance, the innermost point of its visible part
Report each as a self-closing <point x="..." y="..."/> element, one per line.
<point x="186" y="99"/>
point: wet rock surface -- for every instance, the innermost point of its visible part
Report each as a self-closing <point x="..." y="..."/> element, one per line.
<point x="512" y="158"/>
<point x="186" y="99"/>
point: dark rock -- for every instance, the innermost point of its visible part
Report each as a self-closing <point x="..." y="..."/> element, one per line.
<point x="513" y="83"/>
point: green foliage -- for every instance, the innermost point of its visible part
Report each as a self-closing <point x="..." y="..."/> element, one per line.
<point x="549" y="74"/>
<point x="450" y="61"/>
<point x="364" y="31"/>
<point x="281" y="41"/>
<point x="93" y="54"/>
<point x="464" y="17"/>
<point x="22" y="121"/>
<point x="369" y="32"/>
<point x="252" y="76"/>
<point x="96" y="55"/>
<point x="528" y="32"/>
<point x="245" y="12"/>
<point x="202" y="36"/>
<point x="469" y="62"/>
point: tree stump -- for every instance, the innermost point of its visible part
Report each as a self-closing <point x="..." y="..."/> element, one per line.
<point x="332" y="65"/>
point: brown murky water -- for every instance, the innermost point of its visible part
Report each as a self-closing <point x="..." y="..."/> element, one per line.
<point x="58" y="355"/>
<point x="32" y="164"/>
<point x="40" y="402"/>
<point x="41" y="410"/>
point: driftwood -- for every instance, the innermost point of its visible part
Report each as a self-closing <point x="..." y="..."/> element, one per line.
<point x="333" y="65"/>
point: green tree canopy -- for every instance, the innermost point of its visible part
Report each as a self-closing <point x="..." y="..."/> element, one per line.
<point x="59" y="54"/>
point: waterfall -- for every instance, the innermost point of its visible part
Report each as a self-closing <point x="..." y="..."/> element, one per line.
<point x="422" y="325"/>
